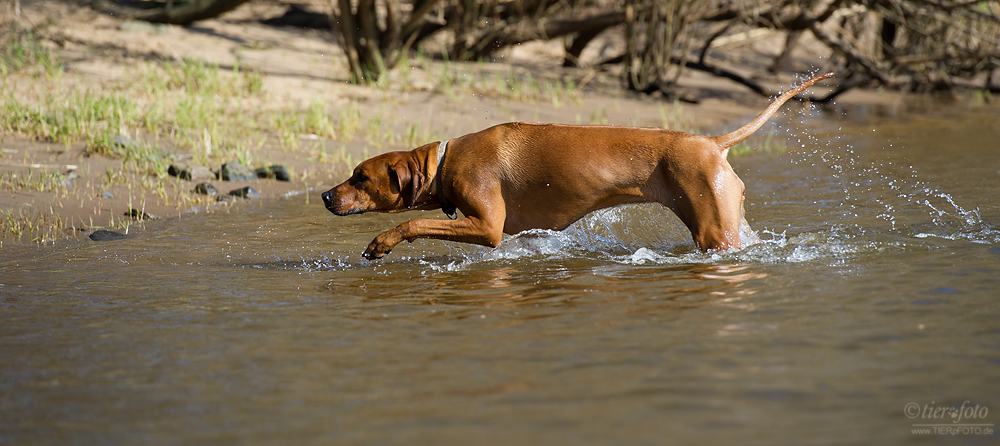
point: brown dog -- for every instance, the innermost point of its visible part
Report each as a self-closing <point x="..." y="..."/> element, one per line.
<point x="518" y="176"/>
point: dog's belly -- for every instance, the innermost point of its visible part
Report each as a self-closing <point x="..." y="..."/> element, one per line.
<point x="558" y="212"/>
<point x="519" y="222"/>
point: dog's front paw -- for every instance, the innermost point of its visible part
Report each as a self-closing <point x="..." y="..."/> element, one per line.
<point x="382" y="245"/>
<point x="373" y="253"/>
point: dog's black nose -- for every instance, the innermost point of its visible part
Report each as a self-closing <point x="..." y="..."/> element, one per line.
<point x="327" y="196"/>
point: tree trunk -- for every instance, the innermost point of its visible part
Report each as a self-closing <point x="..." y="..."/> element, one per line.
<point x="652" y="34"/>
<point x="781" y="61"/>
<point x="373" y="50"/>
<point x="580" y="41"/>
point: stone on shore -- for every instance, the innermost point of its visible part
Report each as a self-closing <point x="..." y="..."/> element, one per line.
<point x="277" y="172"/>
<point x="234" y="171"/>
<point x="138" y="215"/>
<point x="190" y="173"/>
<point x="206" y="189"/>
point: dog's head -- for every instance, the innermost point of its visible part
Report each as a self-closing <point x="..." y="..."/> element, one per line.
<point x="390" y="182"/>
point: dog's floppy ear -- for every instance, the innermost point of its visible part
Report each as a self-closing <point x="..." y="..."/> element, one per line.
<point x="409" y="179"/>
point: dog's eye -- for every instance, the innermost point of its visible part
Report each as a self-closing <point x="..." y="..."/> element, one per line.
<point x="359" y="178"/>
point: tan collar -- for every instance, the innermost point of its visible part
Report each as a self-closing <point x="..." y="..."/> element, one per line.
<point x="448" y="207"/>
<point x="442" y="148"/>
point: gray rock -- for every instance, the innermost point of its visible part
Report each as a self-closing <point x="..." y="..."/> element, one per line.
<point x="190" y="173"/>
<point x="107" y="195"/>
<point x="245" y="192"/>
<point x="206" y="189"/>
<point x="101" y="235"/>
<point x="234" y="171"/>
<point x="66" y="181"/>
<point x="122" y="141"/>
<point x="277" y="172"/>
<point x="197" y="173"/>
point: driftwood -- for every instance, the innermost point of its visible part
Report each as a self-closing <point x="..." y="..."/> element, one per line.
<point x="167" y="12"/>
<point x="300" y="17"/>
<point x="529" y="30"/>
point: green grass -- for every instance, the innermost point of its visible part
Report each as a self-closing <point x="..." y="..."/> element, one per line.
<point x="756" y="144"/>
<point x="674" y="118"/>
<point x="177" y="101"/>
<point x="456" y="80"/>
<point x="38" y="225"/>
<point x="20" y="51"/>
<point x="33" y="181"/>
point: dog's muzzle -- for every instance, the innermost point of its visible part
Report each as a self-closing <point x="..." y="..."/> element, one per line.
<point x="338" y="208"/>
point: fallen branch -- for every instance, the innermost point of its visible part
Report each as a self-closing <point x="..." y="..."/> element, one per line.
<point x="183" y="15"/>
<point x="505" y="34"/>
<point x="852" y="56"/>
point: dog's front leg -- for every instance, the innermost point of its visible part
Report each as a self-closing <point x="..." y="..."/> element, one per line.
<point x="479" y="231"/>
<point x="383" y="243"/>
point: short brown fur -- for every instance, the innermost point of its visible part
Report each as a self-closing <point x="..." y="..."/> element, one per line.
<point x="517" y="176"/>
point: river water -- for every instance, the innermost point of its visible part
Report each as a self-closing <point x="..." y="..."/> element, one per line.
<point x="871" y="309"/>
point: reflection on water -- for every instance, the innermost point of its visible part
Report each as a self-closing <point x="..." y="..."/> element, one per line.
<point x="875" y="286"/>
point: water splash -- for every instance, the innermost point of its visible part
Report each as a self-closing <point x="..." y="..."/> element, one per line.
<point x="916" y="216"/>
<point x="873" y="187"/>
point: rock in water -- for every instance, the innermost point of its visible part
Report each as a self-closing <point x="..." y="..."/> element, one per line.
<point x="245" y="192"/>
<point x="101" y="235"/>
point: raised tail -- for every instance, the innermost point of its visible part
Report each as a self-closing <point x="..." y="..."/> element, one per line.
<point x="732" y="138"/>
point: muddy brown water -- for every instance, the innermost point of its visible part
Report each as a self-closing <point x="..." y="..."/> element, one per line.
<point x="870" y="310"/>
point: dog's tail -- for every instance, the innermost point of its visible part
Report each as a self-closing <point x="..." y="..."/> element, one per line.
<point x="732" y="138"/>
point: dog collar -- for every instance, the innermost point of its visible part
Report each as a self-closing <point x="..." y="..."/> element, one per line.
<point x="448" y="207"/>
